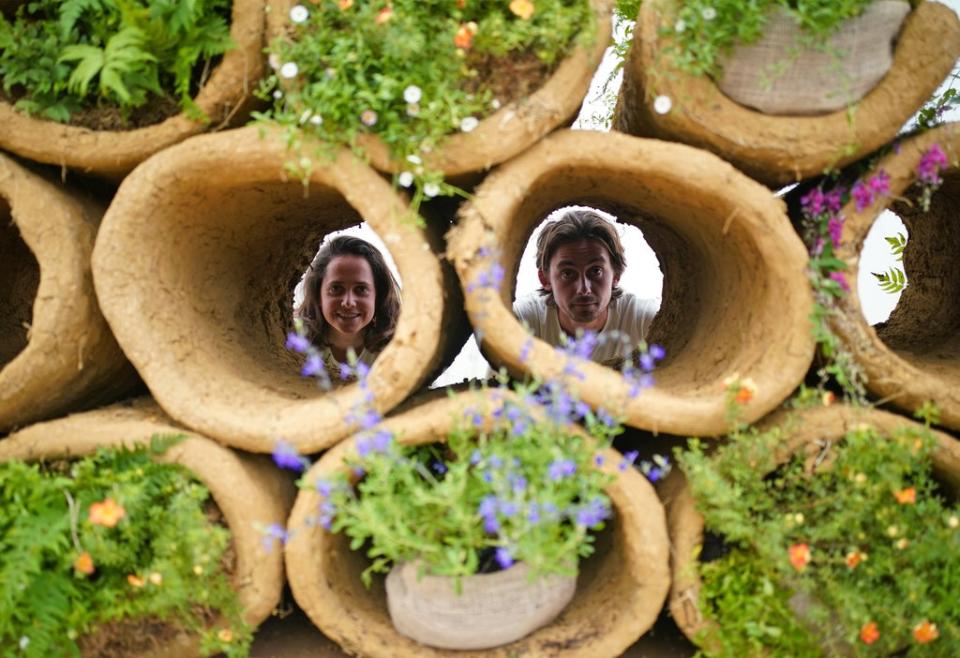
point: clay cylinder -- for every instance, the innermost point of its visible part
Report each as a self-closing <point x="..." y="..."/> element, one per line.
<point x="225" y="98"/>
<point x="778" y="150"/>
<point x="806" y="429"/>
<point x="735" y="293"/>
<point x="249" y="490"/>
<point x="195" y="268"/>
<point x="915" y="355"/>
<point x="619" y="592"/>
<point x="511" y="129"/>
<point x="56" y="351"/>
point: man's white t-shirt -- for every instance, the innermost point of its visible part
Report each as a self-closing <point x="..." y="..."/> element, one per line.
<point x="628" y="314"/>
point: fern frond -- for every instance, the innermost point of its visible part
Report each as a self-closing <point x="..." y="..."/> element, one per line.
<point x="71" y="10"/>
<point x="897" y="245"/>
<point x="892" y="281"/>
<point x="91" y="61"/>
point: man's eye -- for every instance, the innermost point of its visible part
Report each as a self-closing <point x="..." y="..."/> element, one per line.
<point x="597" y="272"/>
<point x="566" y="274"/>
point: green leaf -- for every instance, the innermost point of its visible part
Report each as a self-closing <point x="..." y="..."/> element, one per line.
<point x="892" y="281"/>
<point x="91" y="60"/>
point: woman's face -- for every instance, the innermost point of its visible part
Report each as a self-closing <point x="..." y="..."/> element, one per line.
<point x="347" y="295"/>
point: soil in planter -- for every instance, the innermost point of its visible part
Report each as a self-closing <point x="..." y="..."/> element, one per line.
<point x="19" y="280"/>
<point x="127" y="638"/>
<point x="510" y="77"/>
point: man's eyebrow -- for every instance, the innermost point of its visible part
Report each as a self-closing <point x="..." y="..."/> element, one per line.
<point x="567" y="261"/>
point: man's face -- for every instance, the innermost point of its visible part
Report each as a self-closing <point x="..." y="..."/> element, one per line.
<point x="581" y="278"/>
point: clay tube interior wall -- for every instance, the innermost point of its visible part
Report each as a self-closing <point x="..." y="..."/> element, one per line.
<point x="19" y="280"/>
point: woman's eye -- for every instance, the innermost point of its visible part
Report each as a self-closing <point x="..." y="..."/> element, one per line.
<point x="361" y="290"/>
<point x="335" y="290"/>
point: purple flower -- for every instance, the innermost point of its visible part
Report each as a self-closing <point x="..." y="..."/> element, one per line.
<point x="879" y="183"/>
<point x="841" y="280"/>
<point x="533" y="516"/>
<point x="834" y="200"/>
<point x="928" y="169"/>
<point x="593" y="513"/>
<point x="346" y="372"/>
<point x="323" y="488"/>
<point x="273" y="533"/>
<point x="835" y="228"/>
<point x="297" y="342"/>
<point x="370" y="419"/>
<point x="628" y="459"/>
<point x="582" y="347"/>
<point x="657" y="352"/>
<point x="561" y="468"/>
<point x="362" y="370"/>
<point x="519" y="483"/>
<point x="475" y="457"/>
<point x="439" y="467"/>
<point x="654" y="474"/>
<point x="605" y="418"/>
<point x="488" y="506"/>
<point x="489" y="278"/>
<point x="862" y="196"/>
<point x="491" y="525"/>
<point x="525" y="350"/>
<point x="382" y="440"/>
<point x="504" y="559"/>
<point x="647" y="362"/>
<point x="812" y="203"/>
<point x="580" y="409"/>
<point x="495" y="461"/>
<point x="312" y="366"/>
<point x="508" y="509"/>
<point x="599" y="460"/>
<point x="286" y="456"/>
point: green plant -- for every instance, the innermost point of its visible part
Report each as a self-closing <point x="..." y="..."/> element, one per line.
<point x="57" y="58"/>
<point x="411" y="72"/>
<point x="855" y="548"/>
<point x="106" y="540"/>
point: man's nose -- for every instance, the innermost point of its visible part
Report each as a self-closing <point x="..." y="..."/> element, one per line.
<point x="583" y="285"/>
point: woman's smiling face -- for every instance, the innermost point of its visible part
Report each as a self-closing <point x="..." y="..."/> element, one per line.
<point x="348" y="297"/>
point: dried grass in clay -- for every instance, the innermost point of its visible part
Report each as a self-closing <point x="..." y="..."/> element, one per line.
<point x="913" y="356"/>
<point x="56" y="351"/>
<point x="225" y="98"/>
<point x="620" y="589"/>
<point x="195" y="269"/>
<point x="773" y="149"/>
<point x="735" y="295"/>
<point x="249" y="491"/>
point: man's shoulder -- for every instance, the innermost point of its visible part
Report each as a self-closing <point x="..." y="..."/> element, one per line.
<point x="630" y="304"/>
<point x="530" y="305"/>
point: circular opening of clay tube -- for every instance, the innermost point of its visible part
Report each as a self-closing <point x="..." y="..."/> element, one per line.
<point x="881" y="256"/>
<point x="734" y="301"/>
<point x="196" y="266"/>
<point x="620" y="588"/>
<point x="19" y="280"/>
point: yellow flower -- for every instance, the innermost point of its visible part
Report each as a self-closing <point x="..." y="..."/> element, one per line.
<point x="106" y="513"/>
<point x="84" y="564"/>
<point x="156" y="578"/>
<point x="225" y="635"/>
<point x="522" y="8"/>
<point x="197" y="569"/>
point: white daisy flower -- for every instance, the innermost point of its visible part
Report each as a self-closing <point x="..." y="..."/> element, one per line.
<point x="679" y="26"/>
<point x="662" y="104"/>
<point x="412" y="94"/>
<point x="709" y="13"/>
<point x="289" y="70"/>
<point x="299" y="13"/>
<point x="414" y="159"/>
<point x="495" y="103"/>
<point x="274" y="61"/>
<point x="405" y="179"/>
<point x="305" y="116"/>
<point x="316" y="119"/>
<point x="468" y="124"/>
<point x="431" y="189"/>
<point x="277" y="94"/>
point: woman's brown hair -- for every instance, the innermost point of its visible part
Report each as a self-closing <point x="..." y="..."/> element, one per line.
<point x="386" y="308"/>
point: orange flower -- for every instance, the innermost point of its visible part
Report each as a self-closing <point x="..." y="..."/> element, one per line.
<point x="522" y="8"/>
<point x="461" y="4"/>
<point x="854" y="558"/>
<point x="134" y="580"/>
<point x="743" y="389"/>
<point x="799" y="556"/>
<point x="829" y="398"/>
<point x="83" y="564"/>
<point x="869" y="633"/>
<point x="107" y="513"/>
<point x="906" y="496"/>
<point x="464" y="36"/>
<point x="345" y="4"/>
<point x="385" y="15"/>
<point x="925" y="632"/>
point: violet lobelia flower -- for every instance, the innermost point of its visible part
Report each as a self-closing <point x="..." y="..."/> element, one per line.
<point x="561" y="468"/>
<point x="297" y="342"/>
<point x="286" y="456"/>
<point x="503" y="557"/>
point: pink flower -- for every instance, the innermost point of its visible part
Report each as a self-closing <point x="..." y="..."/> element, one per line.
<point x="879" y="184"/>
<point x="835" y="227"/>
<point x="813" y="202"/>
<point x="862" y="196"/>
<point x="841" y="280"/>
<point x="834" y="200"/>
<point x="931" y="163"/>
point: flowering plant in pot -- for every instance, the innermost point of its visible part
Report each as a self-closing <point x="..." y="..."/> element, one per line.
<point x="783" y="56"/>
<point x="401" y="81"/>
<point x="114" y="554"/>
<point x="480" y="528"/>
<point x="832" y="532"/>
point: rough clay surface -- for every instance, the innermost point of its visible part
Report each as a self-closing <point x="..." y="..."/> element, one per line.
<point x="735" y="295"/>
<point x="915" y="355"/>
<point x="226" y="98"/>
<point x="56" y="351"/>
<point x="620" y="589"/>
<point x="195" y="268"/>
<point x="514" y="127"/>
<point x="249" y="490"/>
<point x="778" y="150"/>
<point x="805" y="428"/>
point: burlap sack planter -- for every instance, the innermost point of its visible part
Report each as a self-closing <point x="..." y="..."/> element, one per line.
<point x="686" y="525"/>
<point x="915" y="355"/>
<point x="620" y="589"/>
<point x="814" y="81"/>
<point x="735" y="295"/>
<point x="195" y="267"/>
<point x="511" y="129"/>
<point x="249" y="490"/>
<point x="56" y="351"/>
<point x="225" y="99"/>
<point x="491" y="610"/>
<point x="778" y="150"/>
